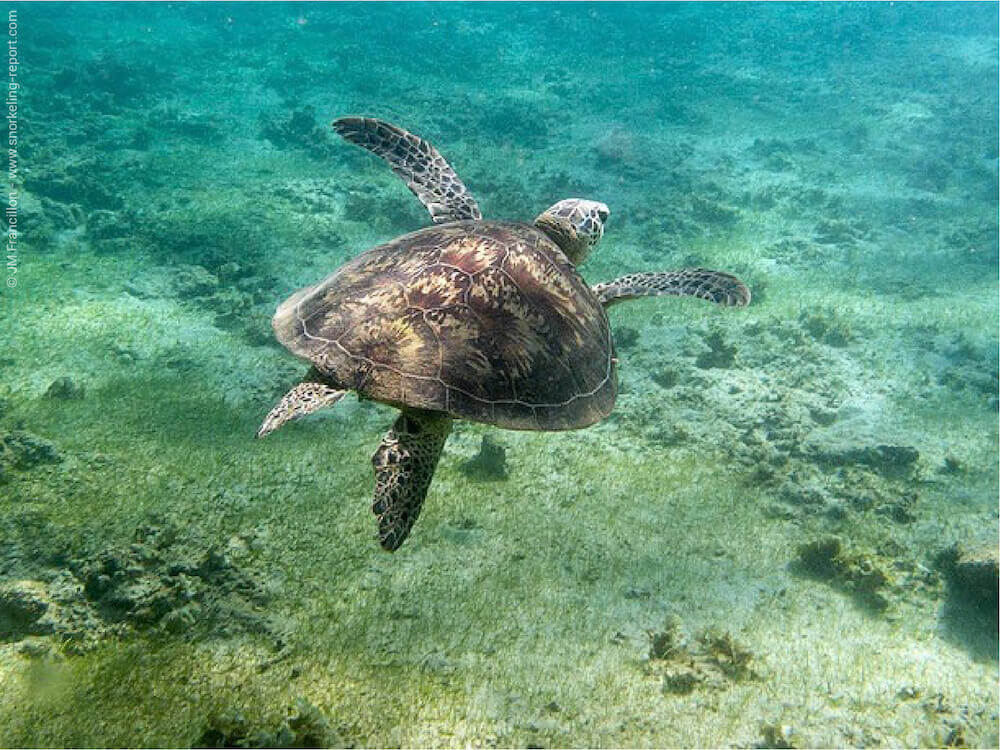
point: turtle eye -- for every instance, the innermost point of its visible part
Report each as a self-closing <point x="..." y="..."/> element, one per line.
<point x="603" y="213"/>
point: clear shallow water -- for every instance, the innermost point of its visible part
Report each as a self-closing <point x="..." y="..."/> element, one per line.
<point x="776" y="538"/>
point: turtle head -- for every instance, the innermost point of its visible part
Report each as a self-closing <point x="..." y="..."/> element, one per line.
<point x="575" y="225"/>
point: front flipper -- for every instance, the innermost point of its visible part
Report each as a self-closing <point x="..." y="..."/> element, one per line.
<point x="714" y="286"/>
<point x="422" y="168"/>
<point x="308" y="396"/>
<point x="404" y="465"/>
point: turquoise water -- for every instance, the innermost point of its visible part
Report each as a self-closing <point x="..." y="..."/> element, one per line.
<point x="784" y="535"/>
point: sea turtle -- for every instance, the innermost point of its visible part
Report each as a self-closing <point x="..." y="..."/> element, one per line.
<point x="472" y="319"/>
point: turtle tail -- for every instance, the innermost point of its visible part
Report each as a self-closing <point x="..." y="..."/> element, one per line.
<point x="404" y="466"/>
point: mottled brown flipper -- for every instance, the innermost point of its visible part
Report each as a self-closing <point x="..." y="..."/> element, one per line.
<point x="424" y="170"/>
<point x="308" y="396"/>
<point x="714" y="286"/>
<point x="404" y="465"/>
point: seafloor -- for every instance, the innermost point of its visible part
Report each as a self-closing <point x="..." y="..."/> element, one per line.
<point x="784" y="536"/>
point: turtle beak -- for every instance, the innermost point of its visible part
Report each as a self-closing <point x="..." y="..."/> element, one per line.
<point x="603" y="212"/>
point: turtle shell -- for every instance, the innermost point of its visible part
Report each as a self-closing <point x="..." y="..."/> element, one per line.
<point x="485" y="320"/>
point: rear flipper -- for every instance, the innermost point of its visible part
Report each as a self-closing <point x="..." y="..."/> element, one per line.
<point x="404" y="465"/>
<point x="714" y="286"/>
<point x="308" y="396"/>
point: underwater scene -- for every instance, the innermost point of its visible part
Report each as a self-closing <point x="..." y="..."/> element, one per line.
<point x="751" y="248"/>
